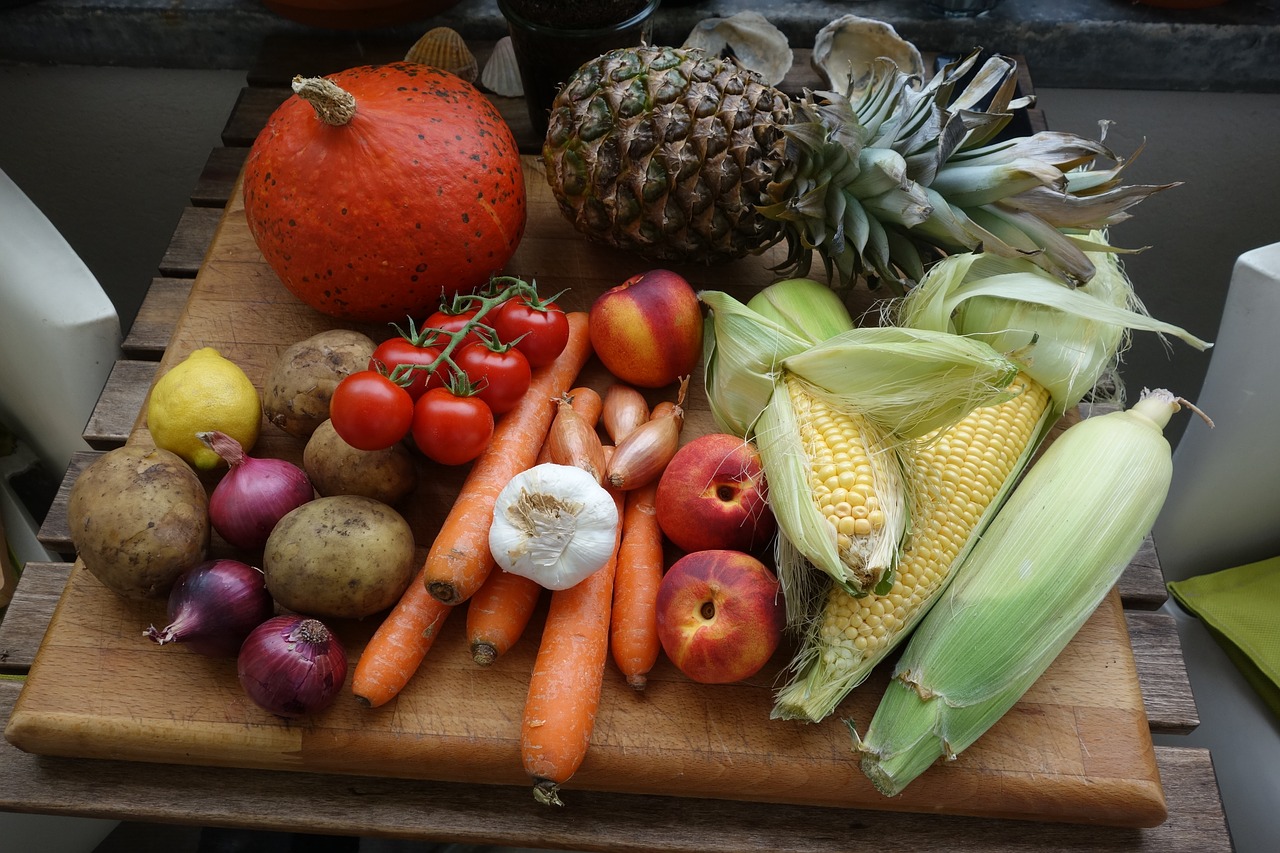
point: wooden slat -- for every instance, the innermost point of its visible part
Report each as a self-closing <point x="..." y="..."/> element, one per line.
<point x="1162" y="672"/>
<point x="55" y="534"/>
<point x="253" y="107"/>
<point x="28" y="615"/>
<point x="1142" y="584"/>
<point x="118" y="405"/>
<point x="190" y="241"/>
<point x="214" y="185"/>
<point x="153" y="325"/>
<point x="491" y="814"/>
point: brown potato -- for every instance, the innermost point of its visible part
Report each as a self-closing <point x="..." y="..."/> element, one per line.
<point x="139" y="518"/>
<point x="337" y="468"/>
<point x="297" y="391"/>
<point x="343" y="557"/>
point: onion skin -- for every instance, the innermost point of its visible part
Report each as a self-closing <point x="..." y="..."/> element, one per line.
<point x="214" y="606"/>
<point x="254" y="494"/>
<point x="623" y="411"/>
<point x="292" y="666"/>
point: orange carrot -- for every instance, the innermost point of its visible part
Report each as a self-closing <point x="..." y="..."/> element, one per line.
<point x="459" y="559"/>
<point x="634" y="625"/>
<point x="564" y="689"/>
<point x="397" y="648"/>
<point x="499" y="612"/>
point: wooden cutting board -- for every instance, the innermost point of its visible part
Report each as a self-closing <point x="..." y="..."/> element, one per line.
<point x="1076" y="748"/>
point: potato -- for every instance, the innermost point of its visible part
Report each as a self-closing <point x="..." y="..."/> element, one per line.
<point x="139" y="518"/>
<point x="296" y="393"/>
<point x="337" y="468"/>
<point x="343" y="557"/>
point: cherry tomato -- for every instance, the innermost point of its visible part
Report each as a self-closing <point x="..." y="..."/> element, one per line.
<point x="501" y="374"/>
<point x="398" y="351"/>
<point x="449" y="429"/>
<point x="447" y="322"/>
<point x="545" y="329"/>
<point x="369" y="411"/>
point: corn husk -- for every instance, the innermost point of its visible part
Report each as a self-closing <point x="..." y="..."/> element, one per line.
<point x="1041" y="569"/>
<point x="903" y="382"/>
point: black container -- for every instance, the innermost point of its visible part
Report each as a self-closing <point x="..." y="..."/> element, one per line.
<point x="549" y="54"/>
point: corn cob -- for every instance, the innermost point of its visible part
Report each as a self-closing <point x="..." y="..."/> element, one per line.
<point x="1065" y="340"/>
<point x="1041" y="569"/>
<point x="831" y="420"/>
<point x="963" y="472"/>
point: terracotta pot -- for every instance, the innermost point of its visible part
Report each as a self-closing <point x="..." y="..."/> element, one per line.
<point x="357" y="14"/>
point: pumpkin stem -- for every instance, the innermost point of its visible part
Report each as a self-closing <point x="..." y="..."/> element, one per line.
<point x="333" y="104"/>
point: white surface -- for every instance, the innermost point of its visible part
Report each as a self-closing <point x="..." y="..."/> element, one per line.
<point x="1223" y="511"/>
<point x="59" y="333"/>
<point x="1224" y="504"/>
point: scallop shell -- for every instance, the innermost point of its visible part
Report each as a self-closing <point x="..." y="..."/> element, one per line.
<point x="756" y="44"/>
<point x="445" y="49"/>
<point x="846" y="47"/>
<point x="501" y="74"/>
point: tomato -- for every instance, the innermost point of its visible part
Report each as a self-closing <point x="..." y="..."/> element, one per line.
<point x="369" y="411"/>
<point x="452" y="323"/>
<point x="398" y="351"/>
<point x="501" y="374"/>
<point x="545" y="329"/>
<point x="449" y="429"/>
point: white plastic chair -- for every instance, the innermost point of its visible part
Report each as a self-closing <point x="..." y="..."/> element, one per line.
<point x="1223" y="511"/>
<point x="59" y="337"/>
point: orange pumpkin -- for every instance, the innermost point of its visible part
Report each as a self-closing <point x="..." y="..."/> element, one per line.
<point x="372" y="191"/>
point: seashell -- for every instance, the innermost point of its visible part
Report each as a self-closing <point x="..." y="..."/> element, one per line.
<point x="445" y="49"/>
<point x="501" y="74"/>
<point x="846" y="48"/>
<point x="749" y="38"/>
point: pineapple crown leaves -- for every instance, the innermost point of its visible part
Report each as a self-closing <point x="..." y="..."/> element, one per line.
<point x="908" y="172"/>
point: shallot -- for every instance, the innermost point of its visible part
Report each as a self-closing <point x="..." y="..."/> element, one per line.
<point x="254" y="494"/>
<point x="292" y="666"/>
<point x="214" y="606"/>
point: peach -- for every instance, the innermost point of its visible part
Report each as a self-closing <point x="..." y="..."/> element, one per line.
<point x="713" y="494"/>
<point x="720" y="615"/>
<point x="648" y="330"/>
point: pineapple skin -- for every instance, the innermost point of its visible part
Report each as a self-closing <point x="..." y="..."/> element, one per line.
<point x="667" y="152"/>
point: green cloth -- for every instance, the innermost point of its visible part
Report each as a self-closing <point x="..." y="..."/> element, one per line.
<point x="1241" y="609"/>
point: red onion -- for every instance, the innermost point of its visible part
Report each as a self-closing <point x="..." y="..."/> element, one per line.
<point x="214" y="606"/>
<point x="254" y="494"/>
<point x="292" y="666"/>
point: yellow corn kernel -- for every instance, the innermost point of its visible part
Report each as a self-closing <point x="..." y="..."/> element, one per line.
<point x="959" y="474"/>
<point x="843" y="477"/>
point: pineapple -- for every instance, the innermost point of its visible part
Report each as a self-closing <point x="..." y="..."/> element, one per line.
<point x="685" y="157"/>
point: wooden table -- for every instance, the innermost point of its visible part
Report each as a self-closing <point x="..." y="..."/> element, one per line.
<point x="401" y="808"/>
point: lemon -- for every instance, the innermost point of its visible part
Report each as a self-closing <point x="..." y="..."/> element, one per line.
<point x="203" y="392"/>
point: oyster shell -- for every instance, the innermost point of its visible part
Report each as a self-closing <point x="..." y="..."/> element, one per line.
<point x="748" y="37"/>
<point x="501" y="74"/>
<point x="845" y="49"/>
<point x="445" y="49"/>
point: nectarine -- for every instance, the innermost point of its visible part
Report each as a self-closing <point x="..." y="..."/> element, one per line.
<point x="713" y="494"/>
<point x="720" y="615"/>
<point x="648" y="330"/>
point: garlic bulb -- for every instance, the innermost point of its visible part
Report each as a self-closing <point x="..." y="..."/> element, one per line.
<point x="553" y="524"/>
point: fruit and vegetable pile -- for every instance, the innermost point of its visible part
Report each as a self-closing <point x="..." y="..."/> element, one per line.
<point x="857" y="469"/>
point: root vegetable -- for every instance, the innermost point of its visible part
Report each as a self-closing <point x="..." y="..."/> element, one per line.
<point x="342" y="557"/>
<point x="139" y="518"/>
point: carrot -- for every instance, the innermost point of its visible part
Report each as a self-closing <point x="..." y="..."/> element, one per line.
<point x="396" y="649"/>
<point x="459" y="559"/>
<point x="634" y="625"/>
<point x="499" y="612"/>
<point x="568" y="675"/>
